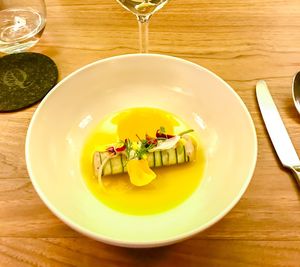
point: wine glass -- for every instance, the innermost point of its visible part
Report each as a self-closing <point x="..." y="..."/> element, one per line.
<point x="143" y="9"/>
<point x="22" y="23"/>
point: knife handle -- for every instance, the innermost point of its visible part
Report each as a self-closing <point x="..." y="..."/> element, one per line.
<point x="296" y="173"/>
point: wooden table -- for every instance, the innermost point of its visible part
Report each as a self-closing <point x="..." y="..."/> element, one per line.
<point x="240" y="40"/>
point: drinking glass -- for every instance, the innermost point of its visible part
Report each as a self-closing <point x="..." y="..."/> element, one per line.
<point x="22" y="23"/>
<point x="143" y="9"/>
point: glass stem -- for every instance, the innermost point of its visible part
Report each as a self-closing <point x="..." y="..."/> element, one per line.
<point x="143" y="32"/>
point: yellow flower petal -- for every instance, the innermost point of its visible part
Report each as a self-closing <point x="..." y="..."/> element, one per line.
<point x="139" y="172"/>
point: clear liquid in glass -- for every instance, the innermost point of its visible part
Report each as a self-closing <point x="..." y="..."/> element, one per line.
<point x="20" y="29"/>
<point x="143" y="7"/>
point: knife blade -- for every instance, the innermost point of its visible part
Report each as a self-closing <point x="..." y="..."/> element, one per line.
<point x="277" y="131"/>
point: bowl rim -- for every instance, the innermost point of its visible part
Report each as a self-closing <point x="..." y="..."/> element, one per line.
<point x="139" y="244"/>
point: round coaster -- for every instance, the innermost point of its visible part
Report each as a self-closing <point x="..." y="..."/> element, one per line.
<point x="25" y="78"/>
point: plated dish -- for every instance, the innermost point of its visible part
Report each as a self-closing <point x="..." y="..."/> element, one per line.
<point x="72" y="125"/>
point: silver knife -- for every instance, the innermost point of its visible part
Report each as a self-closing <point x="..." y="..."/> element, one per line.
<point x="277" y="131"/>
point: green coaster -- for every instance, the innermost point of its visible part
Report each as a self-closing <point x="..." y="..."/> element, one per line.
<point x="25" y="78"/>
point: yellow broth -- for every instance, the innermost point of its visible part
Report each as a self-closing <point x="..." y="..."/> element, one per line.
<point x="173" y="184"/>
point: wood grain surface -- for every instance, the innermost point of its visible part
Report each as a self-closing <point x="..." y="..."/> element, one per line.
<point x="240" y="40"/>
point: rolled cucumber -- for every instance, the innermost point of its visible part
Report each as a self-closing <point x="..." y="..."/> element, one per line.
<point x="117" y="164"/>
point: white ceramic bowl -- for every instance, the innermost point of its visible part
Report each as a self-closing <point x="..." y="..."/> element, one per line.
<point x="65" y="117"/>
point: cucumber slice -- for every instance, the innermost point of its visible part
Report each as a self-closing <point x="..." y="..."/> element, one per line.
<point x="186" y="157"/>
<point x="107" y="168"/>
<point x="100" y="156"/>
<point x="97" y="163"/>
<point x="122" y="162"/>
<point x="165" y="158"/>
<point x="180" y="154"/>
<point x="158" y="159"/>
<point x="116" y="165"/>
<point x="150" y="160"/>
<point x="172" y="156"/>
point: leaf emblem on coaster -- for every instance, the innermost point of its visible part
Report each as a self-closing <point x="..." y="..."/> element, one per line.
<point x="16" y="77"/>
